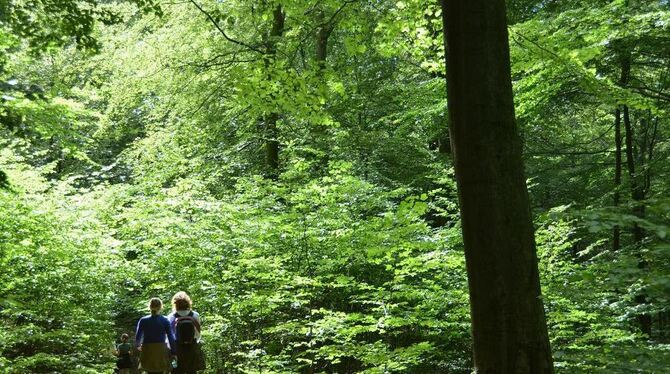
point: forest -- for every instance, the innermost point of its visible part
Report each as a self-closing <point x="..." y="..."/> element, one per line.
<point x="341" y="186"/>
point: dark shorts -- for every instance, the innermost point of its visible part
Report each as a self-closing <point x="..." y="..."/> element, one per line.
<point x="124" y="362"/>
<point x="189" y="359"/>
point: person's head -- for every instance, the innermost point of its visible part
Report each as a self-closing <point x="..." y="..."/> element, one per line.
<point x="155" y="305"/>
<point x="124" y="338"/>
<point x="181" y="301"/>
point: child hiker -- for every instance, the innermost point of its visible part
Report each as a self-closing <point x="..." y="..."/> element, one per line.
<point x="123" y="352"/>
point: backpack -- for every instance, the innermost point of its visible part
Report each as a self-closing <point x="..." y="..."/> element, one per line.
<point x="185" y="328"/>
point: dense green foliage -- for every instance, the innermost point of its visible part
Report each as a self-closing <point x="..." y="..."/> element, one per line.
<point x="136" y="166"/>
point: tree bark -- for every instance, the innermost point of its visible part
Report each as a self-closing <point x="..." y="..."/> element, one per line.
<point x="638" y="196"/>
<point x="272" y="144"/>
<point x="635" y="188"/>
<point x="623" y="82"/>
<point x="271" y="132"/>
<point x="508" y="322"/>
<point x="318" y="133"/>
<point x="322" y="35"/>
<point x="616" y="239"/>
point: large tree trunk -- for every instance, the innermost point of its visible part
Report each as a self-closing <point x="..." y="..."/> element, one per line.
<point x="508" y="322"/>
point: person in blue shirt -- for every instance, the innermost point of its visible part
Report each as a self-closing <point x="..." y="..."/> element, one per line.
<point x="153" y="331"/>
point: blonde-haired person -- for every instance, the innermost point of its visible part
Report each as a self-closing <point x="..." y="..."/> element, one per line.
<point x="185" y="324"/>
<point x="152" y="333"/>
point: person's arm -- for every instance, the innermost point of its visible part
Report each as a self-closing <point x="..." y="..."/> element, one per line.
<point x="170" y="336"/>
<point x="172" y="318"/>
<point x="196" y="319"/>
<point x="139" y="334"/>
<point x="198" y="326"/>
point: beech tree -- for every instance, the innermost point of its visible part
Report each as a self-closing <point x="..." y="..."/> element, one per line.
<point x="508" y="323"/>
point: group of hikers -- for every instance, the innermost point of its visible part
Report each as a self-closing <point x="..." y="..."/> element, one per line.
<point x="165" y="344"/>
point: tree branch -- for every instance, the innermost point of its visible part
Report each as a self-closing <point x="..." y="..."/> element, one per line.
<point x="228" y="38"/>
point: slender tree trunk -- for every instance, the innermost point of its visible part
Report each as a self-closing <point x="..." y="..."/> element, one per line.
<point x="272" y="143"/>
<point x="623" y="81"/>
<point x="638" y="195"/>
<point x="650" y="157"/>
<point x="616" y="239"/>
<point x="322" y="36"/>
<point x="318" y="133"/>
<point x="271" y="132"/>
<point x="636" y="186"/>
<point x="508" y="322"/>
